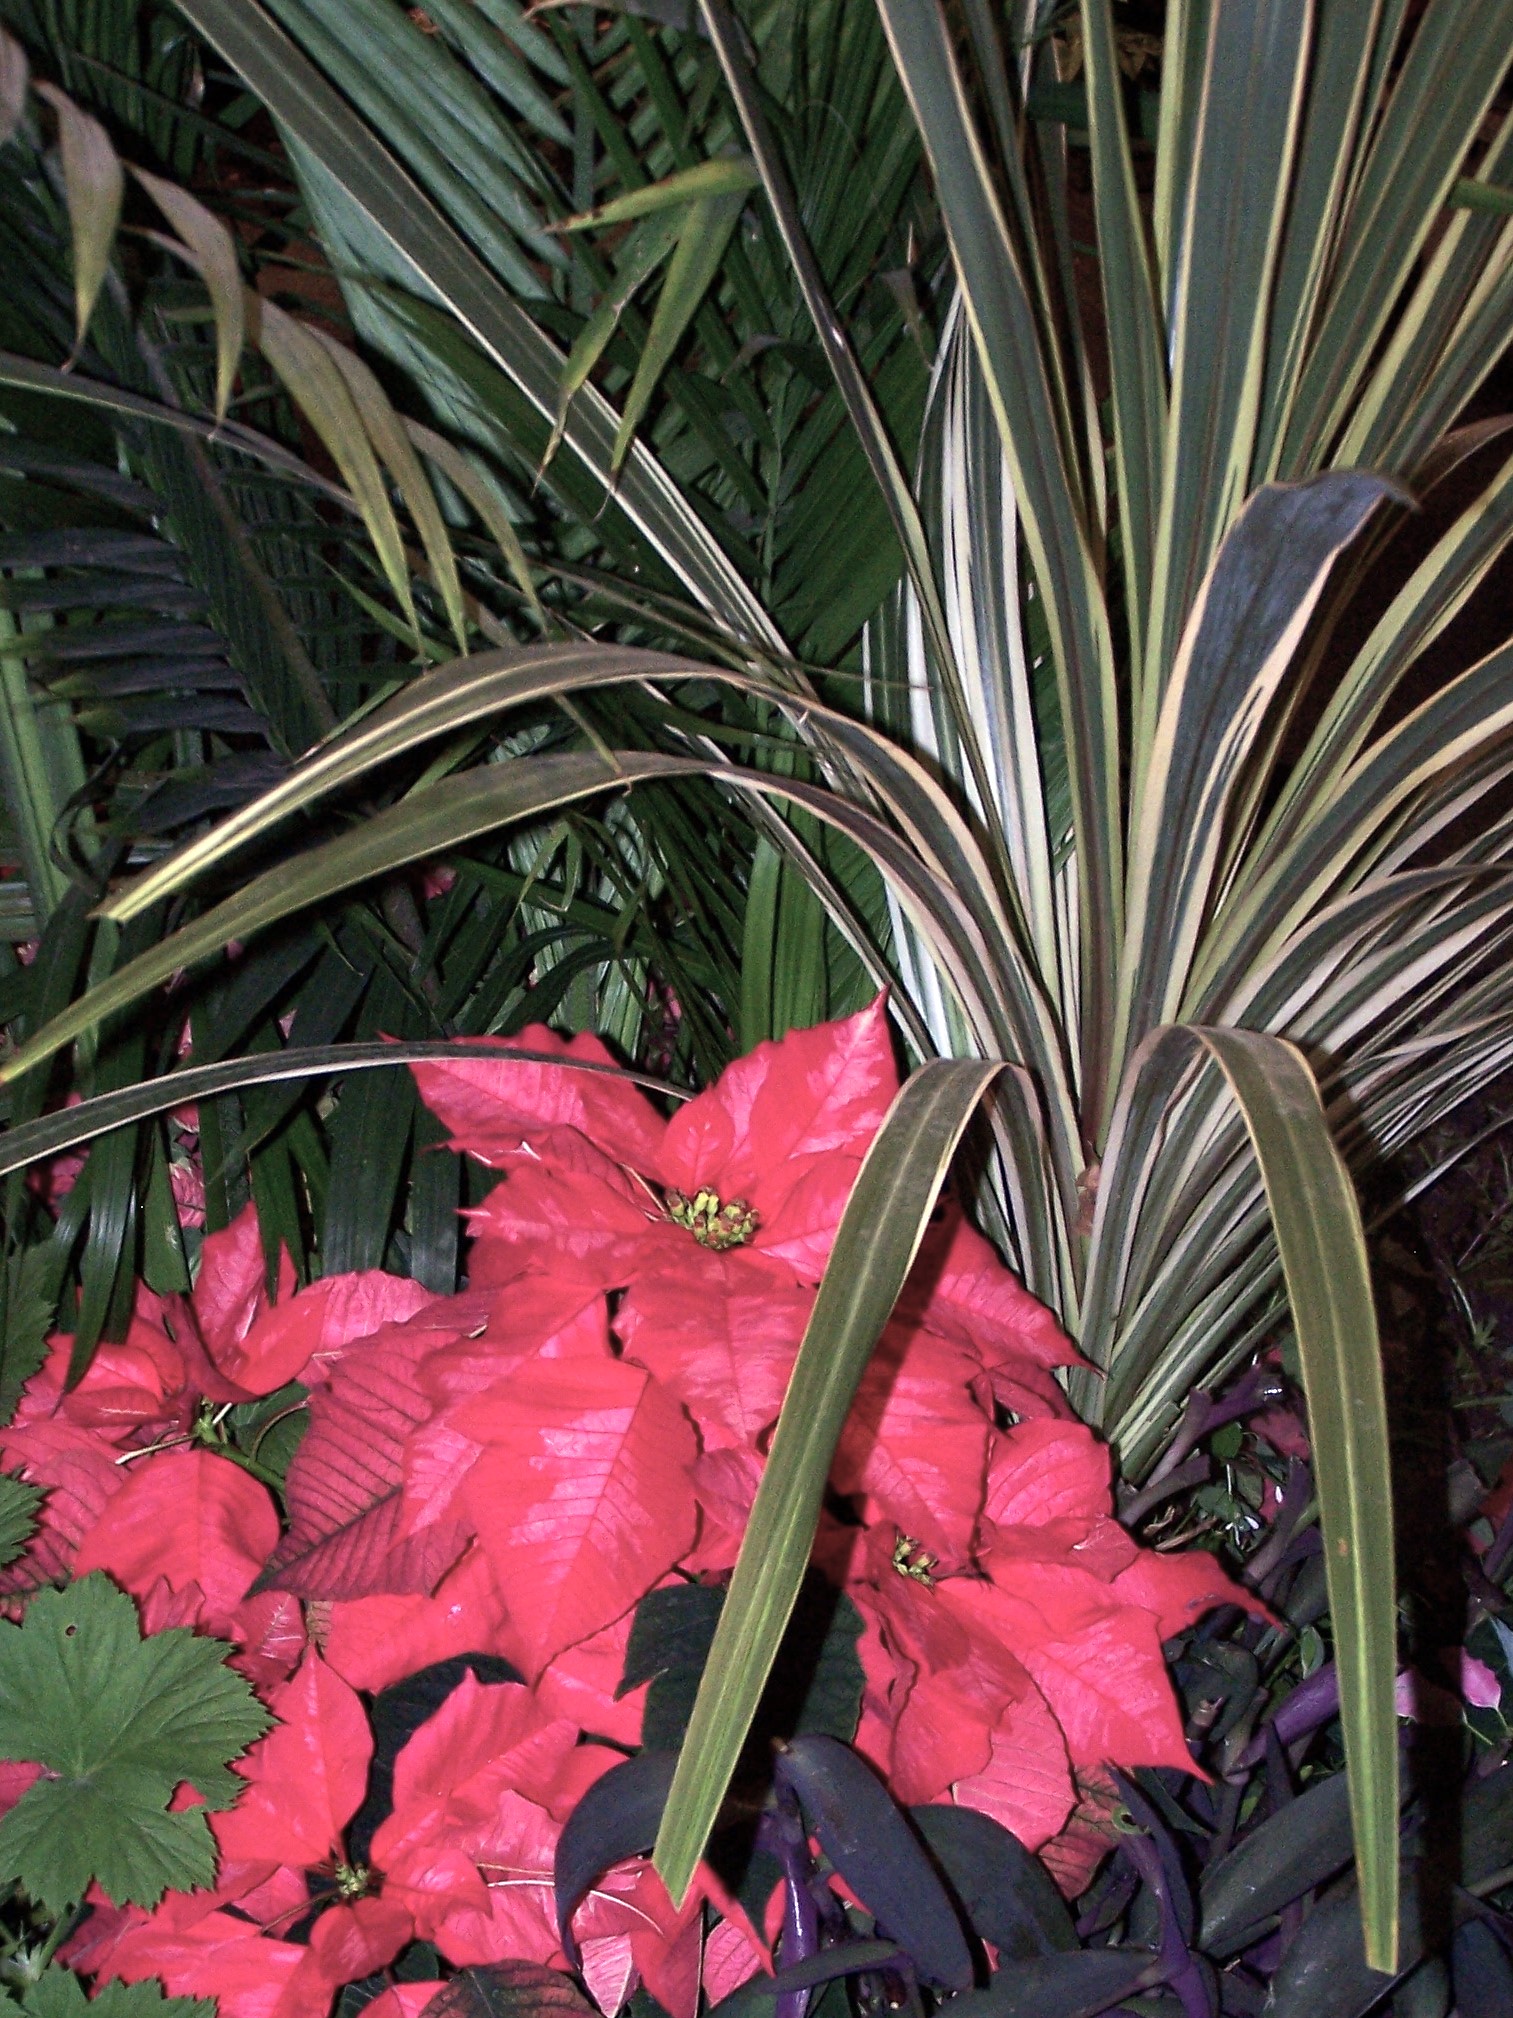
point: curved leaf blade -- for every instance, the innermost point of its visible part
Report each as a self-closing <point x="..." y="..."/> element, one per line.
<point x="426" y="823"/>
<point x="446" y="699"/>
<point x="52" y="1134"/>
<point x="724" y="175"/>
<point x="94" y="184"/>
<point x="864" y="1834"/>
<point x="879" y="1234"/>
<point x="1009" y="1896"/>
<point x="1083" y="1985"/>
<point x="851" y="1958"/>
<point x="618" y="1817"/>
<point x="1323" y="1252"/>
<point x="310" y="110"/>
<point x="211" y="249"/>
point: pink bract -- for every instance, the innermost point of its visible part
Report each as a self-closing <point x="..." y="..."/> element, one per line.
<point x="508" y="1472"/>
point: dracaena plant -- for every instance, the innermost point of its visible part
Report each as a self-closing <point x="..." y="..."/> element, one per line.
<point x="1165" y="823"/>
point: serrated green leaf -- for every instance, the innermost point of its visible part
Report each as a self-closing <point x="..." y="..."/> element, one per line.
<point x="58" y="1993"/>
<point x="18" y="1516"/>
<point x="118" y="1722"/>
<point x="28" y="1295"/>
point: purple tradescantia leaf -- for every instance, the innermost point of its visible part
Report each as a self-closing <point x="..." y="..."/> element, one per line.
<point x="871" y="1843"/>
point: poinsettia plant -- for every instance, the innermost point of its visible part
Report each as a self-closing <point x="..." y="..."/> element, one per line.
<point x="468" y="1551"/>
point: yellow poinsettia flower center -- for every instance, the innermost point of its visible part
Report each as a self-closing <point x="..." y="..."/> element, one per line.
<point x="711" y="1220"/>
<point x="910" y="1560"/>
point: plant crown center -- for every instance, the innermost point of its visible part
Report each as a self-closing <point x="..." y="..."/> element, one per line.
<point x="713" y="1222"/>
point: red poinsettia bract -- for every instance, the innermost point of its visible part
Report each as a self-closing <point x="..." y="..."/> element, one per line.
<point x="509" y="1471"/>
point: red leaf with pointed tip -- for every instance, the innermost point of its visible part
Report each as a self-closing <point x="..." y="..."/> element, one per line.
<point x="581" y="1684"/>
<point x="231" y="1290"/>
<point x="1178" y="1589"/>
<point x="515" y="1858"/>
<point x="79" y="1471"/>
<point x="437" y="1460"/>
<point x="785" y="1128"/>
<point x="670" y="1957"/>
<point x="1091" y="1832"/>
<point x="1024" y="1390"/>
<point x="583" y="1499"/>
<point x="817" y="1092"/>
<point x="319" y="1323"/>
<point x="666" y="1941"/>
<point x="732" y="1956"/>
<point x="1099" y="1546"/>
<point x="348" y="1942"/>
<point x="270" y="1631"/>
<point x="609" y="1969"/>
<point x="1096" y="1661"/>
<point x="485" y="1737"/>
<point x="916" y="1443"/>
<point x="724" y="1484"/>
<point x="958" y="1285"/>
<point x="216" y="1955"/>
<point x="433" y="1881"/>
<point x="944" y="1732"/>
<point x="537" y="1317"/>
<point x="465" y="1319"/>
<point x="1027" y="1783"/>
<point x="721" y="1333"/>
<point x="404" y="2000"/>
<point x="344" y="1485"/>
<point x="141" y="1381"/>
<point x="307" y="1778"/>
<point x="372" y="1642"/>
<point x="491" y="1102"/>
<point x="1044" y="1471"/>
<point x="190" y="1517"/>
<point x="16" y="1775"/>
<point x="579" y="1228"/>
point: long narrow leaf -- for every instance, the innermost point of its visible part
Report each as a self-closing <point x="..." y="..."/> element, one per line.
<point x="34" y="1141"/>
<point x="1134" y="326"/>
<point x="691" y="271"/>
<point x="94" y="183"/>
<point x="1246" y="625"/>
<point x="1457" y="58"/>
<point x="212" y="250"/>
<point x="861" y="405"/>
<point x="1244" y="127"/>
<point x="1339" y="75"/>
<point x="429" y="822"/>
<point x="879" y="1235"/>
<point x="391" y="439"/>
<point x="1323" y="1252"/>
<point x="427" y="246"/>
<point x="1019" y="374"/>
